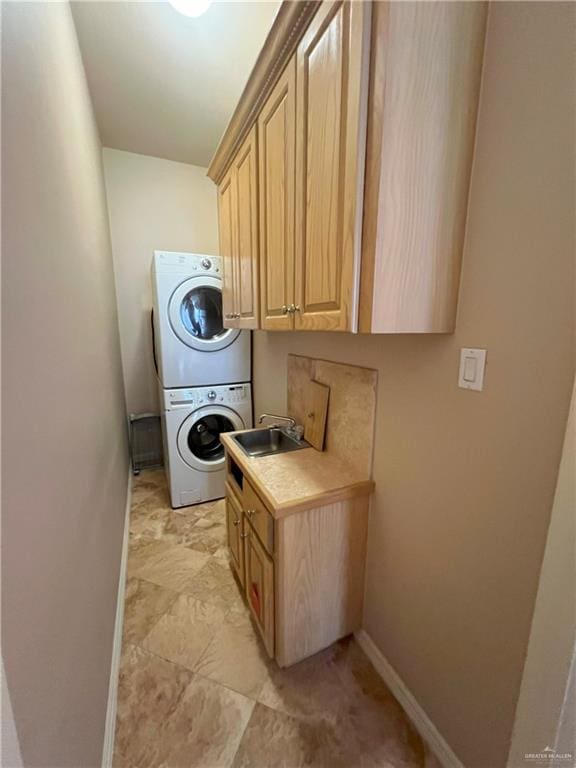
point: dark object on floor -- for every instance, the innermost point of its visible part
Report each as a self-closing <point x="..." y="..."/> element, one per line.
<point x="145" y="441"/>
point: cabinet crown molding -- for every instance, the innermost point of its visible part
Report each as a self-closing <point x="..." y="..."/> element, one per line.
<point x="289" y="25"/>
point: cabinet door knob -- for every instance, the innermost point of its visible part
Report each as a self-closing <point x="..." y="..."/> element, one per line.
<point x="284" y="309"/>
<point x="245" y="535"/>
<point x="297" y="308"/>
<point x="236" y="522"/>
<point x="250" y="512"/>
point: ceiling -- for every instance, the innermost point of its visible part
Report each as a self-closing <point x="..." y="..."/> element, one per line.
<point x="163" y="84"/>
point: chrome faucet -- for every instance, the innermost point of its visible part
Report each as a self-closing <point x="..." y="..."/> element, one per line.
<point x="291" y="422"/>
<point x="291" y="429"/>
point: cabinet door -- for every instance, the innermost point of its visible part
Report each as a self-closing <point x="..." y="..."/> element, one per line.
<point x="226" y="226"/>
<point x="246" y="260"/>
<point x="234" y="529"/>
<point x="332" y="69"/>
<point x="276" y="139"/>
<point x="260" y="586"/>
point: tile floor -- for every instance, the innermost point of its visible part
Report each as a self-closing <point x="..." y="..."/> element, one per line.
<point x="196" y="687"/>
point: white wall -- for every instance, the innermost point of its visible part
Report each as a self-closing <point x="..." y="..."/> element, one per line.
<point x="64" y="448"/>
<point x="153" y="205"/>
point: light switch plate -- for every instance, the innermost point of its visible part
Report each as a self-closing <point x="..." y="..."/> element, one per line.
<point x="472" y="365"/>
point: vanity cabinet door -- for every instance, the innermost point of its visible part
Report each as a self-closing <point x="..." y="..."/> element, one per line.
<point x="226" y="226"/>
<point x="246" y="259"/>
<point x="260" y="586"/>
<point x="276" y="146"/>
<point x="234" y="530"/>
<point x="332" y="90"/>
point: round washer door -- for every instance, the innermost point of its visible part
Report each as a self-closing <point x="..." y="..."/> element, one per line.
<point x="195" y="313"/>
<point x="199" y="436"/>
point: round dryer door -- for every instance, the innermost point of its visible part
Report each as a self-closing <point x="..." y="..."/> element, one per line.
<point x="195" y="312"/>
<point x="199" y="436"/>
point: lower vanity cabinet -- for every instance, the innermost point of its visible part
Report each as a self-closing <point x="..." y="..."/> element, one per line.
<point x="234" y="526"/>
<point x="259" y="586"/>
<point x="301" y="570"/>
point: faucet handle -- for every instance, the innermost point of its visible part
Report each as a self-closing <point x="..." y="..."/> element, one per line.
<point x="298" y="431"/>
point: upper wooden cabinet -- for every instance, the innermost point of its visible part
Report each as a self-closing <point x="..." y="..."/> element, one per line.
<point x="332" y="80"/>
<point x="238" y="224"/>
<point x="277" y="144"/>
<point x="366" y="117"/>
<point x="311" y="161"/>
<point x="226" y="226"/>
<point x="425" y="84"/>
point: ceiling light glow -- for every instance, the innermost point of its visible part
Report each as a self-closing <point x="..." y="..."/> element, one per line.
<point x="192" y="8"/>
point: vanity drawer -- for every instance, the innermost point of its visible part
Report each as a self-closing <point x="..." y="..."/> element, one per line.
<point x="259" y="517"/>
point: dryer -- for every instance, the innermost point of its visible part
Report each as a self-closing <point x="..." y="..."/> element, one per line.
<point x="192" y="422"/>
<point x="192" y="347"/>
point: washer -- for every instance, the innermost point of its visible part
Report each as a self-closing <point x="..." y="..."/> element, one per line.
<point x="192" y="347"/>
<point x="192" y="421"/>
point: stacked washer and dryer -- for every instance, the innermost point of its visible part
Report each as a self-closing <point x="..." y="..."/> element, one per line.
<point x="203" y="371"/>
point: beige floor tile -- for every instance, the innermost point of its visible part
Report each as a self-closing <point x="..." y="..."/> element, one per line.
<point x="174" y="567"/>
<point x="208" y="535"/>
<point x="207" y="726"/>
<point x="310" y="689"/>
<point x="275" y="739"/>
<point x="201" y="527"/>
<point x="222" y="554"/>
<point x="216" y="510"/>
<point x="215" y="584"/>
<point x="195" y="528"/>
<point x="235" y="656"/>
<point x="149" y="692"/>
<point x="142" y="551"/>
<point x="169" y="717"/>
<point x="371" y="717"/>
<point x="155" y="477"/>
<point x="183" y="633"/>
<point x="148" y="522"/>
<point x="339" y="690"/>
<point x="151" y="485"/>
<point x="150" y="496"/>
<point x="178" y="529"/>
<point x="144" y="604"/>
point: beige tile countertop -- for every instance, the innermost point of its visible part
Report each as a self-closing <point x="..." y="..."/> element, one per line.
<point x="290" y="482"/>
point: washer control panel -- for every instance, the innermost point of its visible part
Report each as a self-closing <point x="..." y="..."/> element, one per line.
<point x="196" y="397"/>
<point x="190" y="263"/>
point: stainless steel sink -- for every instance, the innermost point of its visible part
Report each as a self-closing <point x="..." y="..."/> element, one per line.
<point x="263" y="442"/>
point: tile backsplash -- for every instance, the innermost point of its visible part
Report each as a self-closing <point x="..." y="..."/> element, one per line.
<point x="351" y="409"/>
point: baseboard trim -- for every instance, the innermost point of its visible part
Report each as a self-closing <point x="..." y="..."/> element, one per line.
<point x="417" y="715"/>
<point x="110" y="727"/>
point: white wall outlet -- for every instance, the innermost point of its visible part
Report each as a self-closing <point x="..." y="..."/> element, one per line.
<point x="472" y="365"/>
